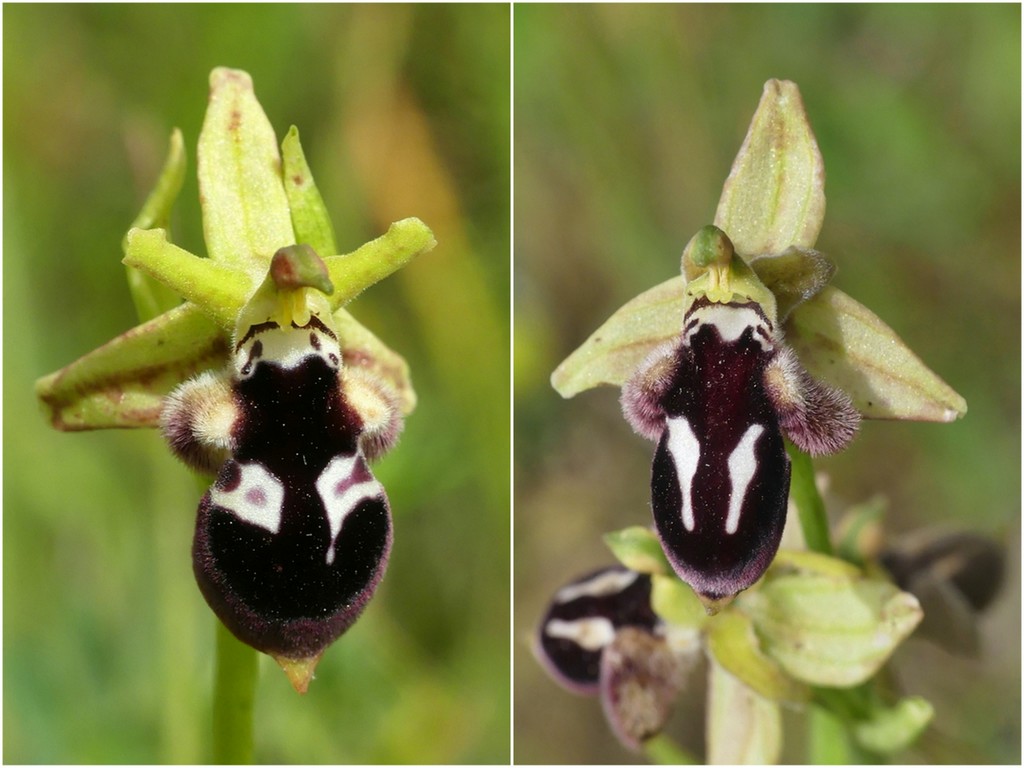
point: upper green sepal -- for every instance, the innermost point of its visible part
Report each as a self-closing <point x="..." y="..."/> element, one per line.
<point x="774" y="196"/>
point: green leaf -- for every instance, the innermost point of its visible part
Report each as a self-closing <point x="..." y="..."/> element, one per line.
<point x="846" y="345"/>
<point x="775" y="194"/>
<point x="638" y="549"/>
<point x="894" y="729"/>
<point x="830" y="630"/>
<point x="310" y="218"/>
<point x="218" y="290"/>
<point x="245" y="210"/>
<point x="733" y="644"/>
<point x="122" y="383"/>
<point x="743" y="728"/>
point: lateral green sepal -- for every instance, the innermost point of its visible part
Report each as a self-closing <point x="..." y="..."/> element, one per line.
<point x="123" y="382"/>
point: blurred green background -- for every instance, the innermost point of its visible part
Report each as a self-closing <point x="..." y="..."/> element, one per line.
<point x="108" y="645"/>
<point x="627" y="119"/>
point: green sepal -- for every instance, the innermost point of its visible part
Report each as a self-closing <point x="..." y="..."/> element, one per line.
<point x="829" y="630"/>
<point x="219" y="290"/>
<point x="123" y="382"/>
<point x="774" y="196"/>
<point x="245" y="210"/>
<point x="638" y="549"/>
<point x="310" y="218"/>
<point x="895" y="728"/>
<point x="151" y="297"/>
<point x="615" y="350"/>
<point x="732" y="642"/>
<point x="743" y="727"/>
<point x="844" y="344"/>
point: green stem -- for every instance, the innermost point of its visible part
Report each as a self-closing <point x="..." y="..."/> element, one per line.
<point x="661" y="750"/>
<point x="233" y="697"/>
<point x="804" y="494"/>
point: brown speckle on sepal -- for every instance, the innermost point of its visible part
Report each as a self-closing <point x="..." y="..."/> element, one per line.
<point x="818" y="419"/>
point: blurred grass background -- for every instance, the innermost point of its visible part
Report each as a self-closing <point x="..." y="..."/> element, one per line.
<point x="108" y="645"/>
<point x="627" y="119"/>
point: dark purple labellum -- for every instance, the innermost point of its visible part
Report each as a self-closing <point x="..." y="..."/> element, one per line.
<point x="720" y="477"/>
<point x="583" y="620"/>
<point x="294" y="536"/>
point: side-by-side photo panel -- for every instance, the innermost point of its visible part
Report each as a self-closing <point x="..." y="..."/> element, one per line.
<point x="257" y="384"/>
<point x="767" y="450"/>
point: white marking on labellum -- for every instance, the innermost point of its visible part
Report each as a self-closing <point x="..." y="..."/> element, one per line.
<point x="742" y="466"/>
<point x="590" y="634"/>
<point x="342" y="486"/>
<point x="731" y="322"/>
<point x="684" y="448"/>
<point x="285" y="347"/>
<point x="608" y="583"/>
<point x="257" y="499"/>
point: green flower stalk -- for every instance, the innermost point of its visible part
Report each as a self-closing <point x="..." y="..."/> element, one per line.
<point x="256" y="374"/>
<point x="740" y="369"/>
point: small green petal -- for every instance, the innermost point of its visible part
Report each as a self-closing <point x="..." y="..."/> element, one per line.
<point x="827" y="630"/>
<point x="122" y="383"/>
<point x="245" y="209"/>
<point x="775" y="194"/>
<point x="354" y="272"/>
<point x="733" y="644"/>
<point x="894" y="729"/>
<point x="794" y="276"/>
<point x="616" y="349"/>
<point x="743" y="728"/>
<point x="310" y="219"/>
<point x="676" y="603"/>
<point x="150" y="296"/>
<point x="843" y="343"/>
<point x="638" y="549"/>
<point x="218" y="290"/>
